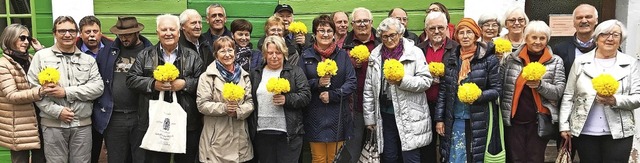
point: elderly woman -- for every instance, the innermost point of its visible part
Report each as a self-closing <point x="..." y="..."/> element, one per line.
<point x="224" y="120"/>
<point x="522" y="100"/>
<point x="463" y="126"/>
<point x="20" y="127"/>
<point x="397" y="110"/>
<point x="515" y="20"/>
<point x="603" y="125"/>
<point x="241" y="30"/>
<point x="490" y="27"/>
<point x="275" y="27"/>
<point x="327" y="115"/>
<point x="276" y="124"/>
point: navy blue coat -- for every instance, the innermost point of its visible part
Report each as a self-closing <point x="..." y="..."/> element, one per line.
<point x="328" y="122"/>
<point x="484" y="73"/>
<point x="106" y="61"/>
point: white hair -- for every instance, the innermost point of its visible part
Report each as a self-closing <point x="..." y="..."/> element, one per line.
<point x="595" y="11"/>
<point x="169" y="17"/>
<point x="214" y="5"/>
<point x="513" y="10"/>
<point x="537" y="26"/>
<point x="387" y="23"/>
<point x="184" y="16"/>
<point x="361" y="9"/>
<point x="607" y="26"/>
<point x="434" y="15"/>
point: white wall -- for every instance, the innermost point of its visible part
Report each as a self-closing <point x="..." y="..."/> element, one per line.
<point x="627" y="12"/>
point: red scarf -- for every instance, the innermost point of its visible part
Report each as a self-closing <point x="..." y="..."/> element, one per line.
<point x="326" y="53"/>
<point x="520" y="83"/>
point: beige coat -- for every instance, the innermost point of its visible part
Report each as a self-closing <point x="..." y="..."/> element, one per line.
<point x="224" y="138"/>
<point x="18" y="125"/>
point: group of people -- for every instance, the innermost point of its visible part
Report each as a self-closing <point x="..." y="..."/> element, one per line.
<point x="105" y="86"/>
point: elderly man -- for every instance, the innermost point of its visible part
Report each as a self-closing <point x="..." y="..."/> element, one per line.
<point x="434" y="48"/>
<point x="341" y="20"/>
<point x="401" y="14"/>
<point x="141" y="81"/>
<point x="115" y="114"/>
<point x="299" y="41"/>
<point x="66" y="111"/>
<point x="190" y="32"/>
<point x="216" y="17"/>
<point x="585" y="19"/>
<point x="362" y="34"/>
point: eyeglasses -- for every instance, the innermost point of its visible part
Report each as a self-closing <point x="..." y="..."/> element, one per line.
<point x="323" y="32"/>
<point x="25" y="37"/>
<point x="276" y="30"/>
<point x="228" y="51"/>
<point x="72" y="32"/>
<point x="389" y="37"/>
<point x="466" y="33"/>
<point x="490" y="26"/>
<point x="362" y="22"/>
<point x="434" y="28"/>
<point x="607" y="35"/>
<point x="513" y="21"/>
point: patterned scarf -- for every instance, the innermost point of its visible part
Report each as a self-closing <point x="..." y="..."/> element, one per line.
<point x="392" y="54"/>
<point x="583" y="49"/>
<point x="243" y="57"/>
<point x="229" y="76"/>
<point x="327" y="52"/>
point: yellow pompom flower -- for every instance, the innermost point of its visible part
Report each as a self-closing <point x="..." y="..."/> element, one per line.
<point x="278" y="86"/>
<point x="502" y="45"/>
<point x="533" y="71"/>
<point x="48" y="75"/>
<point x="360" y="53"/>
<point x="469" y="92"/>
<point x="605" y="85"/>
<point x="393" y="70"/>
<point x="232" y="92"/>
<point x="297" y="27"/>
<point x="436" y="69"/>
<point x="166" y="73"/>
<point x="327" y="67"/>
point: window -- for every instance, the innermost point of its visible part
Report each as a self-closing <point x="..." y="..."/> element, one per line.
<point x="17" y="11"/>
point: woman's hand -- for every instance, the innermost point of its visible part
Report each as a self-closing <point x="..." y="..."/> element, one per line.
<point x="36" y="44"/>
<point x="324" y="81"/>
<point x="606" y="100"/>
<point x="232" y="106"/>
<point x="533" y="83"/>
<point x="324" y="97"/>
<point x="278" y="100"/>
<point x="566" y="135"/>
<point x="440" y="128"/>
<point x="371" y="127"/>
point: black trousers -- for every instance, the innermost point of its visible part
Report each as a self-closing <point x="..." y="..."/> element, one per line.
<point x="96" y="145"/>
<point x="603" y="148"/>
<point x="524" y="144"/>
<point x="428" y="153"/>
<point x="274" y="147"/>
<point x="191" y="156"/>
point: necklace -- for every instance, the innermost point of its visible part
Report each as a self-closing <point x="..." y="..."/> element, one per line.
<point x="606" y="63"/>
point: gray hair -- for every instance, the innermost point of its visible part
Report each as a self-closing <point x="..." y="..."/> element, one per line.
<point x="361" y="9"/>
<point x="386" y="24"/>
<point x="595" y="13"/>
<point x="184" y="16"/>
<point x="607" y="26"/>
<point x="538" y="26"/>
<point x="214" y="5"/>
<point x="487" y="17"/>
<point x="168" y="17"/>
<point x="10" y="35"/>
<point x="435" y="15"/>
<point x="512" y="10"/>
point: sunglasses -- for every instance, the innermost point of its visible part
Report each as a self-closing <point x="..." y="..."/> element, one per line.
<point x="24" y="37"/>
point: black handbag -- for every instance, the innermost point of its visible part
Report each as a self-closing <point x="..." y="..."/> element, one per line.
<point x="546" y="129"/>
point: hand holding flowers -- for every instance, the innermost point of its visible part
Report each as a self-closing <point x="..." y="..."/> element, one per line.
<point x="393" y="71"/>
<point x="502" y="46"/>
<point x="326" y="69"/>
<point x="165" y="76"/>
<point x="606" y="86"/>
<point x="469" y="92"/>
<point x="278" y="86"/>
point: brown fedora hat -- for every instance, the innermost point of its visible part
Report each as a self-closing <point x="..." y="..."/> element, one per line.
<point x="126" y="25"/>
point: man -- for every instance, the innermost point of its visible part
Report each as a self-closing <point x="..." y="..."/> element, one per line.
<point x="435" y="47"/>
<point x="401" y="15"/>
<point x="140" y="79"/>
<point x="115" y="114"/>
<point x="66" y="111"/>
<point x="361" y="34"/>
<point x="342" y="26"/>
<point x="191" y="29"/>
<point x="299" y="41"/>
<point x="216" y="17"/>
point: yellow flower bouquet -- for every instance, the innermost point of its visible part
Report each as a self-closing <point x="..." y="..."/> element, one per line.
<point x="232" y="92"/>
<point x="360" y="53"/>
<point x="436" y="69"/>
<point x="502" y="45"/>
<point x="469" y="92"/>
<point x="166" y="73"/>
<point x="327" y="67"/>
<point x="278" y="86"/>
<point x="49" y="75"/>
<point x="605" y="85"/>
<point x="297" y="28"/>
<point x="393" y="70"/>
<point x="533" y="71"/>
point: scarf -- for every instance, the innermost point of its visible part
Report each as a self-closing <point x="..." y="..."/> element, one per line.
<point x="21" y="58"/>
<point x="520" y="83"/>
<point x="229" y="76"/>
<point x="327" y="52"/>
<point x="465" y="67"/>
<point x="243" y="57"/>
<point x="583" y="49"/>
<point x="392" y="53"/>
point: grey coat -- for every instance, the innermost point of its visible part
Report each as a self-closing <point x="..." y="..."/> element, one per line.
<point x="579" y="95"/>
<point x="550" y="89"/>
<point x="409" y="101"/>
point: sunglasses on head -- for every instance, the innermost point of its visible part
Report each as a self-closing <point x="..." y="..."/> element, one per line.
<point x="24" y="37"/>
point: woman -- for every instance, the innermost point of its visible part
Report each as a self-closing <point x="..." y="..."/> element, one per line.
<point x="490" y="27"/>
<point x="606" y="124"/>
<point x="275" y="27"/>
<point x="515" y="20"/>
<point x="463" y="126"/>
<point x="19" y="125"/>
<point x="327" y="115"/>
<point x="241" y="30"/>
<point x="522" y="100"/>
<point x="224" y="121"/>
<point x="397" y="110"/>
<point x="276" y="124"/>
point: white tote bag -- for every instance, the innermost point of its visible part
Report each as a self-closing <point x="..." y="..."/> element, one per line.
<point x="167" y="130"/>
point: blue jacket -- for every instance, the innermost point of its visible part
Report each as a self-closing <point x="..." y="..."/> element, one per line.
<point x="106" y="60"/>
<point x="328" y="122"/>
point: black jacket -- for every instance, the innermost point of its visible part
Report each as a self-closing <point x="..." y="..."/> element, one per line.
<point x="205" y="49"/>
<point x="140" y="79"/>
<point x="484" y="73"/>
<point x="411" y="36"/>
<point x="296" y="100"/>
<point x="212" y="38"/>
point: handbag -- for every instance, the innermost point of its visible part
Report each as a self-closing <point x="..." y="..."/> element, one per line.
<point x="546" y="129"/>
<point x="500" y="156"/>
<point x="370" y="152"/>
<point x="167" y="130"/>
<point x="564" y="155"/>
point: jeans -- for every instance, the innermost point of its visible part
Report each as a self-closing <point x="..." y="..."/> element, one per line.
<point x="67" y="144"/>
<point x="121" y="135"/>
<point x="392" y="152"/>
<point x="603" y="148"/>
<point x="274" y="147"/>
